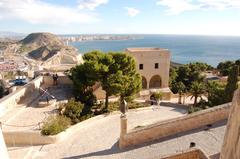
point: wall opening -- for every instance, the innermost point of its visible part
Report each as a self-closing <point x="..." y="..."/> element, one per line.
<point x="155" y="82"/>
<point x="144" y="83"/>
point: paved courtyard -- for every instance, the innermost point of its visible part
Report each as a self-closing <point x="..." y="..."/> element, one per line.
<point x="99" y="135"/>
<point x="99" y="138"/>
<point x="30" y="118"/>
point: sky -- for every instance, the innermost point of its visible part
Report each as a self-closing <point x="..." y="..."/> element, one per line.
<point x="193" y="17"/>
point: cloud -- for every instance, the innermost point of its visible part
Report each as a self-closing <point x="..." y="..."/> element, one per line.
<point x="90" y="4"/>
<point x="220" y="4"/>
<point x="39" y="12"/>
<point x="132" y="12"/>
<point x="175" y="7"/>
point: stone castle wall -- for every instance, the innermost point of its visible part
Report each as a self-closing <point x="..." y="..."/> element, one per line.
<point x="231" y="144"/>
<point x="62" y="80"/>
<point x="175" y="126"/>
<point x="27" y="93"/>
<point x="3" y="148"/>
<point x="191" y="154"/>
<point x="20" y="96"/>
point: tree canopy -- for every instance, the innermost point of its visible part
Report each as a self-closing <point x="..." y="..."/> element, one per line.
<point x="225" y="67"/>
<point x="197" y="89"/>
<point x="232" y="83"/>
<point x="115" y="72"/>
<point x="183" y="78"/>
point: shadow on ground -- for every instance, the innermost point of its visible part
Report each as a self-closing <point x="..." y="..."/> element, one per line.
<point x="115" y="149"/>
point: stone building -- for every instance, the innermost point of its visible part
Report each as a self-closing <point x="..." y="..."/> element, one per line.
<point x="153" y="64"/>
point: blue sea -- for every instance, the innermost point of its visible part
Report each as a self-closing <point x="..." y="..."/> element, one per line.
<point x="184" y="48"/>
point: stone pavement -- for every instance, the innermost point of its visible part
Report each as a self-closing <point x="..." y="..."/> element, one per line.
<point x="102" y="134"/>
<point x="28" y="118"/>
<point x="99" y="139"/>
<point x="210" y="141"/>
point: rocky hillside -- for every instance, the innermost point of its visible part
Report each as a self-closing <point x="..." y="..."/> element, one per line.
<point x="36" y="40"/>
<point x="46" y="50"/>
<point x="41" y="39"/>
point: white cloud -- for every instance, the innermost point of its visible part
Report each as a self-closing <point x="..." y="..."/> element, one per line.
<point x="132" y="12"/>
<point x="220" y="4"/>
<point x="179" y="6"/>
<point x="90" y="4"/>
<point x="39" y="12"/>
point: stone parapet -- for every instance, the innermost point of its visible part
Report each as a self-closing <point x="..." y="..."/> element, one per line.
<point x="175" y="126"/>
<point x="190" y="154"/>
<point x="21" y="95"/>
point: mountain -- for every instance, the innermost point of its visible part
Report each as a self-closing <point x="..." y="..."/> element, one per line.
<point x="41" y="39"/>
<point x="48" y="49"/>
<point x="35" y="41"/>
<point x="45" y="50"/>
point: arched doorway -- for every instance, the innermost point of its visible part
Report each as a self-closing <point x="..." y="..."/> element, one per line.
<point x="144" y="83"/>
<point x="155" y="82"/>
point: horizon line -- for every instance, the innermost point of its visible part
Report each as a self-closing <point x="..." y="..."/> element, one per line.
<point x="120" y="34"/>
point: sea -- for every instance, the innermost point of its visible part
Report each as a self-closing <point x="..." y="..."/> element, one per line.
<point x="184" y="48"/>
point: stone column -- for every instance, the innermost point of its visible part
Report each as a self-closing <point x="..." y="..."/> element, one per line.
<point x="123" y="122"/>
<point x="123" y="131"/>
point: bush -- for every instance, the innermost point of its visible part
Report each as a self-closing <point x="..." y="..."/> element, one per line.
<point x="85" y="117"/>
<point x="135" y="105"/>
<point x="73" y="110"/>
<point x="157" y="95"/>
<point x="55" y="125"/>
<point x="114" y="106"/>
<point x="203" y="104"/>
<point x="192" y="109"/>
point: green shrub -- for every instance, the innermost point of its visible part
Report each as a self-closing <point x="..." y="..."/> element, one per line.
<point x="114" y="106"/>
<point x="55" y="125"/>
<point x="157" y="95"/>
<point x="85" y="117"/>
<point x="203" y="104"/>
<point x="135" y="105"/>
<point x="73" y="110"/>
<point x="192" y="109"/>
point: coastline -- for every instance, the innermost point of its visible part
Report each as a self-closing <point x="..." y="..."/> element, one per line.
<point x="184" y="49"/>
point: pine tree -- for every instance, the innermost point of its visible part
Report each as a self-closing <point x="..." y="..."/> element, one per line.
<point x="232" y="83"/>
